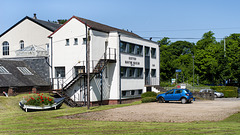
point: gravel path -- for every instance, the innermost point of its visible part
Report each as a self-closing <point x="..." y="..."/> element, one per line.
<point x="167" y="112"/>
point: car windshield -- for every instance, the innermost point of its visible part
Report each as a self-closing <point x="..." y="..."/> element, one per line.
<point x="170" y="92"/>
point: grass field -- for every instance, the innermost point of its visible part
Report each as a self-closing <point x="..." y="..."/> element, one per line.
<point x="13" y="120"/>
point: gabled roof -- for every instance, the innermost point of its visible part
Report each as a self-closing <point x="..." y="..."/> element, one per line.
<point x="15" y="78"/>
<point x="45" y="24"/>
<point x="99" y="27"/>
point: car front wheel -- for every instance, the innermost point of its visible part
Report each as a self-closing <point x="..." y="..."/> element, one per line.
<point x="161" y="100"/>
<point x="183" y="100"/>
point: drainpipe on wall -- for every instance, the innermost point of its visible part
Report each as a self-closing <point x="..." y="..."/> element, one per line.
<point x="120" y="79"/>
<point x="52" y="62"/>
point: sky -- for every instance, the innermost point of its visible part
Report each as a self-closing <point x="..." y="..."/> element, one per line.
<point x="177" y="19"/>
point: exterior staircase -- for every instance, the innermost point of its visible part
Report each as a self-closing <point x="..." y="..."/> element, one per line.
<point x="100" y="66"/>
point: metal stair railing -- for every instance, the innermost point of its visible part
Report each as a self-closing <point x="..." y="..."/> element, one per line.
<point x="94" y="70"/>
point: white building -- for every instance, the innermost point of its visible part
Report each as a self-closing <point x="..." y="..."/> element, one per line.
<point x="28" y="32"/>
<point x="129" y="64"/>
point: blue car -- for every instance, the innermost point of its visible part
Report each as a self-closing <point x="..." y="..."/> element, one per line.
<point x="183" y="95"/>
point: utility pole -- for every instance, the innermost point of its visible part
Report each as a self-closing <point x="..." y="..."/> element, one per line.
<point x="224" y="46"/>
<point x="193" y="72"/>
<point x="88" y="64"/>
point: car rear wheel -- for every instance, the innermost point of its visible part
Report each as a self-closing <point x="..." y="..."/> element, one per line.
<point x="161" y="100"/>
<point x="183" y="100"/>
<point x="215" y="96"/>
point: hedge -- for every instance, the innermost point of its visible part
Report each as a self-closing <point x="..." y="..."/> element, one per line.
<point x="228" y="91"/>
<point x="149" y="94"/>
<point x="148" y="99"/>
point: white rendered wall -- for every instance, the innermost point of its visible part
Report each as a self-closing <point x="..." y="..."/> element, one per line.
<point x="69" y="56"/>
<point x="28" y="31"/>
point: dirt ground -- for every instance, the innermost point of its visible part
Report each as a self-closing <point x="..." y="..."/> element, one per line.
<point x="216" y="110"/>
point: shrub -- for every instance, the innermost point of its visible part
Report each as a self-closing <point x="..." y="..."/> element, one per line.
<point x="149" y="94"/>
<point x="148" y="99"/>
<point x="228" y="91"/>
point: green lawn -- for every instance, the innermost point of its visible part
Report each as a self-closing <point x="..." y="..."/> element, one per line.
<point x="14" y="120"/>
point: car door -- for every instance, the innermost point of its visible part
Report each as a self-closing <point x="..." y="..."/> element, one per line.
<point x="169" y="95"/>
<point x="177" y="95"/>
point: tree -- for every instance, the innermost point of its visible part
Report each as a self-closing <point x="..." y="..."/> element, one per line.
<point x="164" y="41"/>
<point x="176" y="55"/>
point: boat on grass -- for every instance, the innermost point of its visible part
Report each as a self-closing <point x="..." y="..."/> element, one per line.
<point x="57" y="104"/>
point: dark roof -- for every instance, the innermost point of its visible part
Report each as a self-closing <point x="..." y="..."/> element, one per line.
<point x="16" y="78"/>
<point x="104" y="28"/>
<point x="47" y="25"/>
<point x="99" y="27"/>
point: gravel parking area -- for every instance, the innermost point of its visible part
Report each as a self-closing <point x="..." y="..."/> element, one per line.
<point x="216" y="110"/>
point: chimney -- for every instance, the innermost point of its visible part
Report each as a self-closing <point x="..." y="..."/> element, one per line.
<point x="34" y="16"/>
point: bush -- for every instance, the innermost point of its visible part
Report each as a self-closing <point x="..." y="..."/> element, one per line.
<point x="149" y="94"/>
<point x="228" y="91"/>
<point x="148" y="99"/>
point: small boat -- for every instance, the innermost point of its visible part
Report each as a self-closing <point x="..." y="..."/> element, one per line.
<point x="57" y="104"/>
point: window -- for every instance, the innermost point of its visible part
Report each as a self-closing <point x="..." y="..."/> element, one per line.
<point x="123" y="72"/>
<point x="84" y="41"/>
<point x="67" y="42"/>
<point x="75" y="41"/>
<point x="59" y="72"/>
<point x="170" y="92"/>
<point x="124" y="93"/>
<point x="178" y="91"/>
<point x="139" y="72"/>
<point x="5" y="47"/>
<point x="3" y="70"/>
<point x="24" y="71"/>
<point x="139" y="92"/>
<point x="153" y="72"/>
<point x="131" y="72"/>
<point x="131" y="48"/>
<point x="146" y="51"/>
<point x="128" y="72"/>
<point x="21" y="44"/>
<point x="132" y="92"/>
<point x="123" y="46"/>
<point x="153" y="52"/>
<point x="138" y="49"/>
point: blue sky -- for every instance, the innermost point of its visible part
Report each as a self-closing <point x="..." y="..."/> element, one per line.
<point x="181" y="19"/>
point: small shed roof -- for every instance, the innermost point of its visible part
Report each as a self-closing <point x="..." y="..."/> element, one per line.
<point x="18" y="75"/>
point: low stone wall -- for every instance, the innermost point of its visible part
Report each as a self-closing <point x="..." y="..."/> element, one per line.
<point x="12" y="91"/>
<point x="204" y="95"/>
